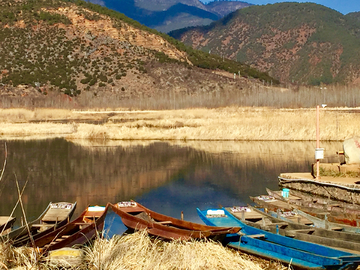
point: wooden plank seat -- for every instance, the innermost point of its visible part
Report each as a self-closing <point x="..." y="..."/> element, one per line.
<point x="256" y="235"/>
<point x="280" y="224"/>
<point x="42" y="225"/>
<point x="292" y="233"/>
<point x="82" y="224"/>
<point x="54" y="215"/>
<point x="336" y="228"/>
<point x="165" y="222"/>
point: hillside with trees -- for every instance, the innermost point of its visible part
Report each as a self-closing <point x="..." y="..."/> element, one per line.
<point x="81" y="49"/>
<point x="301" y="43"/>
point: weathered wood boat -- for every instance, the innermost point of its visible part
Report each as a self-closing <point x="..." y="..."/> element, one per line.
<point x="55" y="215"/>
<point x="277" y="247"/>
<point x="350" y="211"/>
<point x="6" y="223"/>
<point x="314" y="198"/>
<point x="290" y="216"/>
<point x="273" y="204"/>
<point x="137" y="217"/>
<point x="326" y="224"/>
<point x="345" y="241"/>
<point x="77" y="232"/>
<point x="333" y="187"/>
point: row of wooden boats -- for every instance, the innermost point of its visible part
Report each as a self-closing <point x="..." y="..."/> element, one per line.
<point x="54" y="230"/>
<point x="271" y="244"/>
<point x="279" y="228"/>
<point x="304" y="231"/>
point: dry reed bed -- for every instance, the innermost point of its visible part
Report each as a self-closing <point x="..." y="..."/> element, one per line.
<point x="230" y="123"/>
<point x="138" y="251"/>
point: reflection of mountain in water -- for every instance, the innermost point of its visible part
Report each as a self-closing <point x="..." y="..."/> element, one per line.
<point x="58" y="170"/>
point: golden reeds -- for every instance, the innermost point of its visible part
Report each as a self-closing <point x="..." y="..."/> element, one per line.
<point x="139" y="251"/>
<point x="230" y="123"/>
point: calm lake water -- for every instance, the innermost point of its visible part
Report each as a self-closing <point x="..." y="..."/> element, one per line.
<point x="167" y="177"/>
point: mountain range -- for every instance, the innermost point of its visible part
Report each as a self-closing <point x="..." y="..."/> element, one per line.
<point x="81" y="49"/>
<point x="168" y="15"/>
<point x="302" y="43"/>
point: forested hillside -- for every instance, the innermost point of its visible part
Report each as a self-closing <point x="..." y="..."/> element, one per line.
<point x="301" y="43"/>
<point x="78" y="48"/>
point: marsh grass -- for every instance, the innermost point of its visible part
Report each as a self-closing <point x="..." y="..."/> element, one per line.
<point x="249" y="94"/>
<point x="139" y="251"/>
<point x="228" y="123"/>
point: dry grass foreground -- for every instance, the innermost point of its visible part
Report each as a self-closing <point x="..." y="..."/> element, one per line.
<point x="229" y="123"/>
<point x="138" y="251"/>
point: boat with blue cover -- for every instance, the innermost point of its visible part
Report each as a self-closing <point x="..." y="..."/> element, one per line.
<point x="277" y="247"/>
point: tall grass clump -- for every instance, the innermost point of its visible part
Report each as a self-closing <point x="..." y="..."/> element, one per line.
<point x="139" y="251"/>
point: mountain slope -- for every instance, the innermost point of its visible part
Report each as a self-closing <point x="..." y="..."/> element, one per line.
<point x="303" y="43"/>
<point x="223" y="8"/>
<point x="85" y="49"/>
<point x="173" y="14"/>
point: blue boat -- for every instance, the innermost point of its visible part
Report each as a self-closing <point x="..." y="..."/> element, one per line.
<point x="277" y="247"/>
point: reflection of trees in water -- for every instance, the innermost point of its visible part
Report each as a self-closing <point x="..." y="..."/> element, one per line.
<point x="61" y="171"/>
<point x="244" y="168"/>
<point x="58" y="170"/>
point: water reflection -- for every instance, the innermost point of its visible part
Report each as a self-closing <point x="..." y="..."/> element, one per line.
<point x="165" y="177"/>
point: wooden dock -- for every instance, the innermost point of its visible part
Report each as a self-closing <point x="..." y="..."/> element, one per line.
<point x="339" y="188"/>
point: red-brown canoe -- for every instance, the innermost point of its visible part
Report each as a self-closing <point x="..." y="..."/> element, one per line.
<point x="137" y="217"/>
<point x="78" y="232"/>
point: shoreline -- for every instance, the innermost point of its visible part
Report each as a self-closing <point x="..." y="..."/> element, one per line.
<point x="221" y="124"/>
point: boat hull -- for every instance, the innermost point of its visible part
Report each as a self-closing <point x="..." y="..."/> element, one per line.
<point x="277" y="247"/>
<point x="137" y="217"/>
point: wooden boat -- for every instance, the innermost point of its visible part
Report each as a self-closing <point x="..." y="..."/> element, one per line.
<point x="345" y="241"/>
<point x="277" y="247"/>
<point x="137" y="217"/>
<point x="6" y="223"/>
<point x="326" y="224"/>
<point x="313" y="198"/>
<point x="271" y="203"/>
<point x="77" y="232"/>
<point x="55" y="215"/>
<point x="288" y="216"/>
<point x="351" y="211"/>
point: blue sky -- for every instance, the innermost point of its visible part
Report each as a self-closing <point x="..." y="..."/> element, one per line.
<point x="343" y="6"/>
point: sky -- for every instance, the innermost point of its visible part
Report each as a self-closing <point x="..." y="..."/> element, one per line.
<point x="343" y="6"/>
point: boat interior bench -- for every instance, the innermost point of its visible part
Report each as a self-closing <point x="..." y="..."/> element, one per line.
<point x="82" y="224"/>
<point x="256" y="235"/>
<point x="55" y="215"/>
<point x="292" y="233"/>
<point x="42" y="225"/>
<point x="165" y="222"/>
<point x="280" y="224"/>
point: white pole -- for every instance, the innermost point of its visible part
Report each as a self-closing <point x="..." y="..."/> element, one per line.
<point x="317" y="140"/>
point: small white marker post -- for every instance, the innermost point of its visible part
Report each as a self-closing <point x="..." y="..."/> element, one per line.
<point x="317" y="141"/>
<point x="319" y="152"/>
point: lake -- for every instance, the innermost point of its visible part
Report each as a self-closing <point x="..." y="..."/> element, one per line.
<point x="168" y="177"/>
